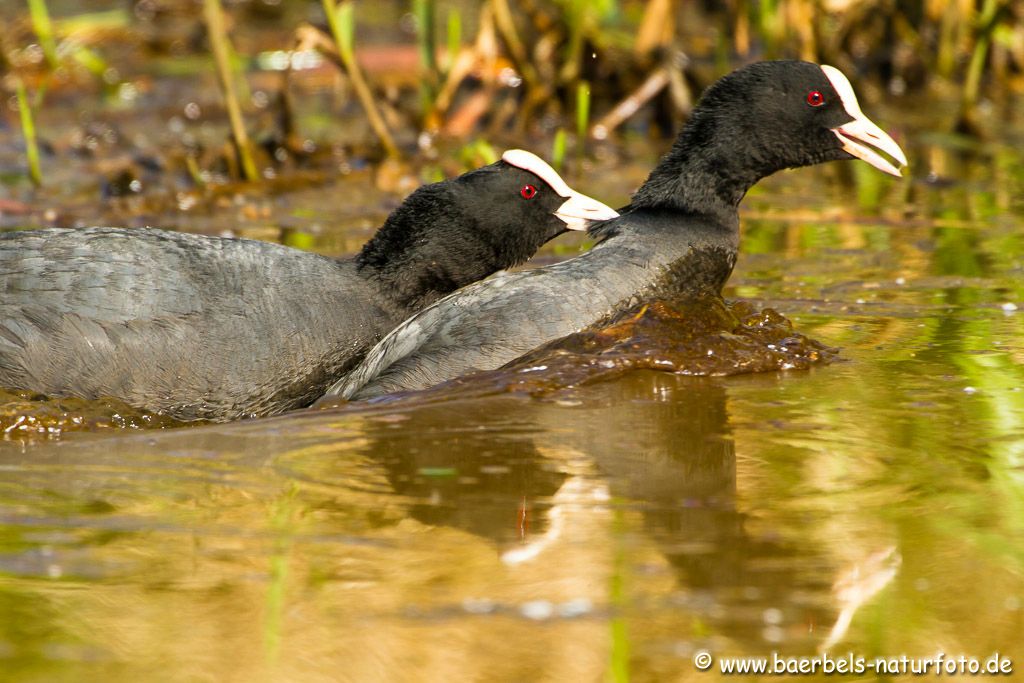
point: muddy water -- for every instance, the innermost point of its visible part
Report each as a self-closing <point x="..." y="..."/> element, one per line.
<point x="611" y="528"/>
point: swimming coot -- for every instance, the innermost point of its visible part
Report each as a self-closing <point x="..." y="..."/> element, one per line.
<point x="214" y="328"/>
<point x="678" y="238"/>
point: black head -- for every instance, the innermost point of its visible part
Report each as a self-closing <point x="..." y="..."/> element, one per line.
<point x="450" y="234"/>
<point x="760" y="119"/>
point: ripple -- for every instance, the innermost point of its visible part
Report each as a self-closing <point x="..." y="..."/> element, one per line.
<point x="708" y="337"/>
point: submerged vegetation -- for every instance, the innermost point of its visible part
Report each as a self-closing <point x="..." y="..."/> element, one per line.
<point x="429" y="74"/>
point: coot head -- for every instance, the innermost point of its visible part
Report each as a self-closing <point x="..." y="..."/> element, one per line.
<point x="520" y="202"/>
<point x="449" y="234"/>
<point x="760" y="119"/>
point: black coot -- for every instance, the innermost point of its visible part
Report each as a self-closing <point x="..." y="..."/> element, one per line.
<point x="215" y="328"/>
<point x="678" y="237"/>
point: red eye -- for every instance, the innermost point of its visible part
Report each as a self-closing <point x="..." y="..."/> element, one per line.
<point x="815" y="98"/>
<point x="528" y="192"/>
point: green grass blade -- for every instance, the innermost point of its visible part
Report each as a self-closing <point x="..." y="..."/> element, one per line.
<point x="558" y="150"/>
<point x="582" y="117"/>
<point x="454" y="37"/>
<point x="424" y="11"/>
<point x="43" y="28"/>
<point x="582" y="108"/>
<point x="28" y="128"/>
<point x="342" y="21"/>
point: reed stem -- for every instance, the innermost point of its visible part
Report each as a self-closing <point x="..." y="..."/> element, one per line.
<point x="341" y="20"/>
<point x="582" y="111"/>
<point x="454" y="38"/>
<point x="214" y="15"/>
<point x="43" y="28"/>
<point x="424" y="11"/>
<point x="558" y="150"/>
<point x="28" y="129"/>
<point x="983" y="40"/>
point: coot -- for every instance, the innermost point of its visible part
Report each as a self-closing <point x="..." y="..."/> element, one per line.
<point x="678" y="238"/>
<point x="214" y="328"/>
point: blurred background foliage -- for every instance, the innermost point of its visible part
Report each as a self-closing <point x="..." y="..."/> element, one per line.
<point x="484" y="74"/>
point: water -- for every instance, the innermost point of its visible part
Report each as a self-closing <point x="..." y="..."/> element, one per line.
<point x="593" y="525"/>
<point x="512" y="538"/>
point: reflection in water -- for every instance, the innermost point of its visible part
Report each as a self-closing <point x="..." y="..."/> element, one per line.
<point x="522" y="488"/>
<point x="681" y="470"/>
<point x="395" y="534"/>
<point x="481" y="472"/>
<point x="856" y="586"/>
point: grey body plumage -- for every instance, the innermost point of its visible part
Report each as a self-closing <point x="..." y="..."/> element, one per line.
<point x="62" y="329"/>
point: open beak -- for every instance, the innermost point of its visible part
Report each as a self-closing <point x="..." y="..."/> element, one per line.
<point x="861" y="137"/>
<point x="579" y="211"/>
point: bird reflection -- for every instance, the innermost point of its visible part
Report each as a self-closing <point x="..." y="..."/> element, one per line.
<point x="468" y="466"/>
<point x="506" y="468"/>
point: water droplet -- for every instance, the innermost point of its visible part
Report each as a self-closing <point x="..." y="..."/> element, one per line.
<point x="127" y="92"/>
<point x="478" y="605"/>
<point x="260" y="99"/>
<point x="538" y="610"/>
<point x="575" y="608"/>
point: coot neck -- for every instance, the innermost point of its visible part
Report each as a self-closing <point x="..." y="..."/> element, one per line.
<point x="709" y="169"/>
<point x="420" y="254"/>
